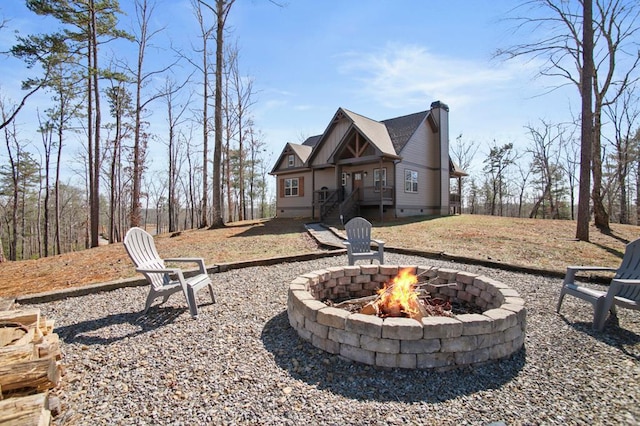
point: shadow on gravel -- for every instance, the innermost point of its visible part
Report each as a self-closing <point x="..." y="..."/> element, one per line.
<point x="362" y="382"/>
<point x="121" y="326"/>
<point x="612" y="334"/>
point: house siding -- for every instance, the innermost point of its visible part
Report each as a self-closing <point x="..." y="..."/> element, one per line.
<point x="331" y="141"/>
<point x="300" y="206"/>
<point x="421" y="154"/>
<point x="325" y="178"/>
<point x="283" y="165"/>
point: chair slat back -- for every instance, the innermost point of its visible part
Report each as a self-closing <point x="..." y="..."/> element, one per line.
<point x="630" y="269"/>
<point x="142" y="251"/>
<point x="359" y="234"/>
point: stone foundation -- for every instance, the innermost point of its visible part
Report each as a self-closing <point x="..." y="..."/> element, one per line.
<point x="433" y="343"/>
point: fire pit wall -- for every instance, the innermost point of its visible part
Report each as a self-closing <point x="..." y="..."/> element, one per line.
<point x="434" y="343"/>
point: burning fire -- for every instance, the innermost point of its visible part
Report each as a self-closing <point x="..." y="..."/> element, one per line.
<point x="398" y="298"/>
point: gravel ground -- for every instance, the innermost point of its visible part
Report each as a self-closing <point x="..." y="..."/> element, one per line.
<point x="241" y="363"/>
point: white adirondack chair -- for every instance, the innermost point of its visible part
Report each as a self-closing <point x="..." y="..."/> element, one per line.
<point x="142" y="250"/>
<point x="624" y="289"/>
<point x="359" y="242"/>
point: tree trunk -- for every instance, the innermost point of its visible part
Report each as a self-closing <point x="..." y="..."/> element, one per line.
<point x="638" y="191"/>
<point x="57" y="185"/>
<point x="623" y="171"/>
<point x="222" y="9"/>
<point x="601" y="216"/>
<point x="586" y="90"/>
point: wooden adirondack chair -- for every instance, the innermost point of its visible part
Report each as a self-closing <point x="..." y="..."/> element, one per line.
<point x="623" y="291"/>
<point x="142" y="250"/>
<point x="359" y="241"/>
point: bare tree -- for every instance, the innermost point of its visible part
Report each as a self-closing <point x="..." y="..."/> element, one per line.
<point x="243" y="90"/>
<point x="206" y="33"/>
<point x="591" y="60"/>
<point x="496" y="164"/>
<point x="463" y="154"/>
<point x="570" y="166"/>
<point x="545" y="158"/>
<point x="525" y="174"/>
<point x="14" y="153"/>
<point x="144" y="36"/>
<point x="624" y="116"/>
<point x="221" y="12"/>
<point x="257" y="188"/>
<point x="121" y="107"/>
<point x="175" y="117"/>
<point x="46" y="129"/>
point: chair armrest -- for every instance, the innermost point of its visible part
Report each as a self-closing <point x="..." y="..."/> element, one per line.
<point x="184" y="259"/>
<point x="198" y="260"/>
<point x="347" y="244"/>
<point x="159" y="271"/>
<point x="378" y="242"/>
<point x="624" y="281"/>
<point x="572" y="270"/>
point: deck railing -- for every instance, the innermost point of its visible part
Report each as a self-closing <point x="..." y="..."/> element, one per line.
<point x="349" y="207"/>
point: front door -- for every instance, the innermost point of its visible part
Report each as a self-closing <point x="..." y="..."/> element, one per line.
<point x="358" y="184"/>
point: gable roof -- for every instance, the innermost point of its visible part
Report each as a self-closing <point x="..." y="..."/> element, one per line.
<point x="312" y="141"/>
<point x="302" y="151"/>
<point x="388" y="136"/>
<point x="375" y="131"/>
<point x="402" y="128"/>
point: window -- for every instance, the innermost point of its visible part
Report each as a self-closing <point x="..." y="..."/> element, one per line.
<point x="379" y="176"/>
<point x="291" y="187"/>
<point x="410" y="181"/>
<point x="292" y="160"/>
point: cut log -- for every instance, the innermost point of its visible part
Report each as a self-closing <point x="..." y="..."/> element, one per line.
<point x="360" y="301"/>
<point x="25" y="317"/>
<point x="6" y="304"/>
<point x="26" y="410"/>
<point x="13" y="354"/>
<point x="47" y="327"/>
<point x="49" y="347"/>
<point x="369" y="309"/>
<point x="39" y="374"/>
<point x="12" y="333"/>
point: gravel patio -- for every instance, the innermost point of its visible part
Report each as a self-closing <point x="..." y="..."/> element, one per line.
<point x="241" y="363"/>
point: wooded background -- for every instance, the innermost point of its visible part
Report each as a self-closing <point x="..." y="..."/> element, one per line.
<point x="106" y="104"/>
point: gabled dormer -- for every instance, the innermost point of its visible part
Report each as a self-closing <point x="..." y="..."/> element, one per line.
<point x="292" y="158"/>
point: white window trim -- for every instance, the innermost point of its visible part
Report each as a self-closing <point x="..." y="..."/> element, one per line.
<point x="290" y="188"/>
<point x="291" y="160"/>
<point x="376" y="178"/>
<point x="409" y="179"/>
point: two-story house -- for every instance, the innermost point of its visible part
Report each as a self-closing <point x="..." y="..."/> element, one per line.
<point x="378" y="169"/>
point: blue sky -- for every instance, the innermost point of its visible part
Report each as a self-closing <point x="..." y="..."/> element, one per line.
<point x="381" y="59"/>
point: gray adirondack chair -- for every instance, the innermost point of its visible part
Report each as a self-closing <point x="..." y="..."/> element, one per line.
<point x="624" y="289"/>
<point x="165" y="281"/>
<point x="359" y="242"/>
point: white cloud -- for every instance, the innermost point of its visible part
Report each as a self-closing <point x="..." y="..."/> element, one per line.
<point x="400" y="76"/>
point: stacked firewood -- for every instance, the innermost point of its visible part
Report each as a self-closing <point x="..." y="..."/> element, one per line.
<point x="29" y="367"/>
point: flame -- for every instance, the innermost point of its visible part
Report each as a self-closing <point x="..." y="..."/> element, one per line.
<point x="399" y="297"/>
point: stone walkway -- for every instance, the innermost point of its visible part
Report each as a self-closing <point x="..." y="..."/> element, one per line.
<point x="325" y="236"/>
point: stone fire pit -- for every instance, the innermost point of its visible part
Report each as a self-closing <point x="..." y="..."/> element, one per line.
<point x="432" y="343"/>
